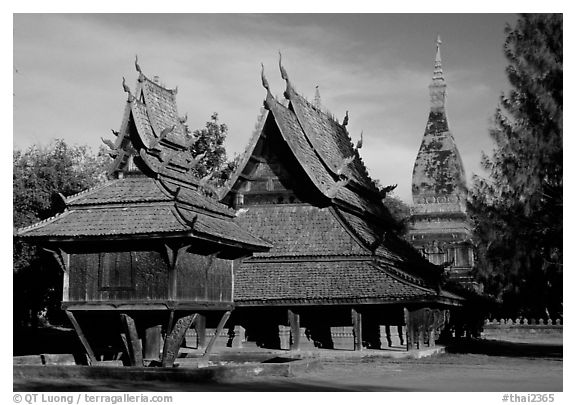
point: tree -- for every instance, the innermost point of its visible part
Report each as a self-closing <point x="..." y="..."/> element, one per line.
<point x="400" y="212"/>
<point x="210" y="142"/>
<point x="39" y="174"/>
<point x="517" y="210"/>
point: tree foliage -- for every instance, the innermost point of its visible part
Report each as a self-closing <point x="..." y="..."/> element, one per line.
<point x="210" y="143"/>
<point x="517" y="209"/>
<point x="400" y="212"/>
<point x="39" y="174"/>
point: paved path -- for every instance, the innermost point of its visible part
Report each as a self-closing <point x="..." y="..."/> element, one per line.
<point x="485" y="366"/>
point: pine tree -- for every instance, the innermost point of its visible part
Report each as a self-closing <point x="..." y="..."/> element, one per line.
<point x="517" y="210"/>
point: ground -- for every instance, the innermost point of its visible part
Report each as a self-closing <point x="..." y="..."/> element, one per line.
<point x="474" y="366"/>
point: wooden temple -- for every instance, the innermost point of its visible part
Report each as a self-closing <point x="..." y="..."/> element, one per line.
<point x="336" y="263"/>
<point x="151" y="252"/>
<point x="439" y="226"/>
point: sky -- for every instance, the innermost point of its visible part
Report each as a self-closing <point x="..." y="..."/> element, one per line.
<point x="68" y="69"/>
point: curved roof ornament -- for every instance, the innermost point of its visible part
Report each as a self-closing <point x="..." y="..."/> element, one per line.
<point x="127" y="90"/>
<point x="138" y="69"/>
<point x="264" y="79"/>
<point x="284" y="76"/>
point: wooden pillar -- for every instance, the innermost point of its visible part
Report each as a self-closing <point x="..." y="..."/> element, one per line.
<point x="294" y="322"/>
<point x="409" y="330"/>
<point x="200" y="326"/>
<point x="357" y="329"/>
<point x="219" y="328"/>
<point x="133" y="343"/>
<point x="401" y="334"/>
<point x="83" y="340"/>
<point x="152" y="342"/>
<point x="174" y="339"/>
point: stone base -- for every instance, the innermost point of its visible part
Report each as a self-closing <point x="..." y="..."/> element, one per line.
<point x="227" y="338"/>
<point x="342" y="337"/>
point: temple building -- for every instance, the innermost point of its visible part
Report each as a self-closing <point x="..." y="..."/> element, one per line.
<point x="439" y="226"/>
<point x="336" y="262"/>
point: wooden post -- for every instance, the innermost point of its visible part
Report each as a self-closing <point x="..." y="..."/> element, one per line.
<point x="91" y="357"/>
<point x="133" y="342"/>
<point x="294" y="322"/>
<point x="357" y="329"/>
<point x="219" y="328"/>
<point x="200" y="326"/>
<point x="174" y="339"/>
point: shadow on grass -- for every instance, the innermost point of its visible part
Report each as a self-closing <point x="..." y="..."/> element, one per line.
<point x="506" y="349"/>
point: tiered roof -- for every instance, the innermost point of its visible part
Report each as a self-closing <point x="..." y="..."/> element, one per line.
<point x="339" y="249"/>
<point x="152" y="191"/>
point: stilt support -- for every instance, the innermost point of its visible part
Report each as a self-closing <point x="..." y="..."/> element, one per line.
<point x="357" y="329"/>
<point x="217" y="332"/>
<point x="174" y="339"/>
<point x="294" y="322"/>
<point x="83" y="340"/>
<point x="133" y="342"/>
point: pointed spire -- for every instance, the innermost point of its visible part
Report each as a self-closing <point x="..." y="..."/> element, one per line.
<point x="317" y="102"/>
<point x="438" y="85"/>
<point x="438" y="74"/>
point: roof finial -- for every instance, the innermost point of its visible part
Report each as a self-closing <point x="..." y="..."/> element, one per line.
<point x="138" y="69"/>
<point x="345" y="120"/>
<point x="264" y="80"/>
<point x="283" y="72"/>
<point x="317" y="102"/>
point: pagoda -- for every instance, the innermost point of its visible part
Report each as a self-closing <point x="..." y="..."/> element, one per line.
<point x="150" y="252"/>
<point x="440" y="229"/>
<point x="336" y="262"/>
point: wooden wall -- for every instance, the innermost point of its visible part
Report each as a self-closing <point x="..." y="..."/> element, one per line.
<point x="204" y="278"/>
<point x="136" y="276"/>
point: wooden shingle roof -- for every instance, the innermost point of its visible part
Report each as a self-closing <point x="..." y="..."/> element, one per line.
<point x="313" y="282"/>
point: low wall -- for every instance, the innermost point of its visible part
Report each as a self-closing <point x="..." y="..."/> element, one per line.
<point x="524" y="330"/>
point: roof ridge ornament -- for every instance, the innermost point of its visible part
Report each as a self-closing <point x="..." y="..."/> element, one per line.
<point x="360" y="141"/>
<point x="345" y="120"/>
<point x="317" y="100"/>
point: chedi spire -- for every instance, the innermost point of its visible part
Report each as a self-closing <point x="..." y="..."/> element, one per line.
<point x="438" y="85"/>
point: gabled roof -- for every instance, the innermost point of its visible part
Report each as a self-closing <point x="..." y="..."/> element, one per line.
<point x="154" y="192"/>
<point x="325" y="152"/>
